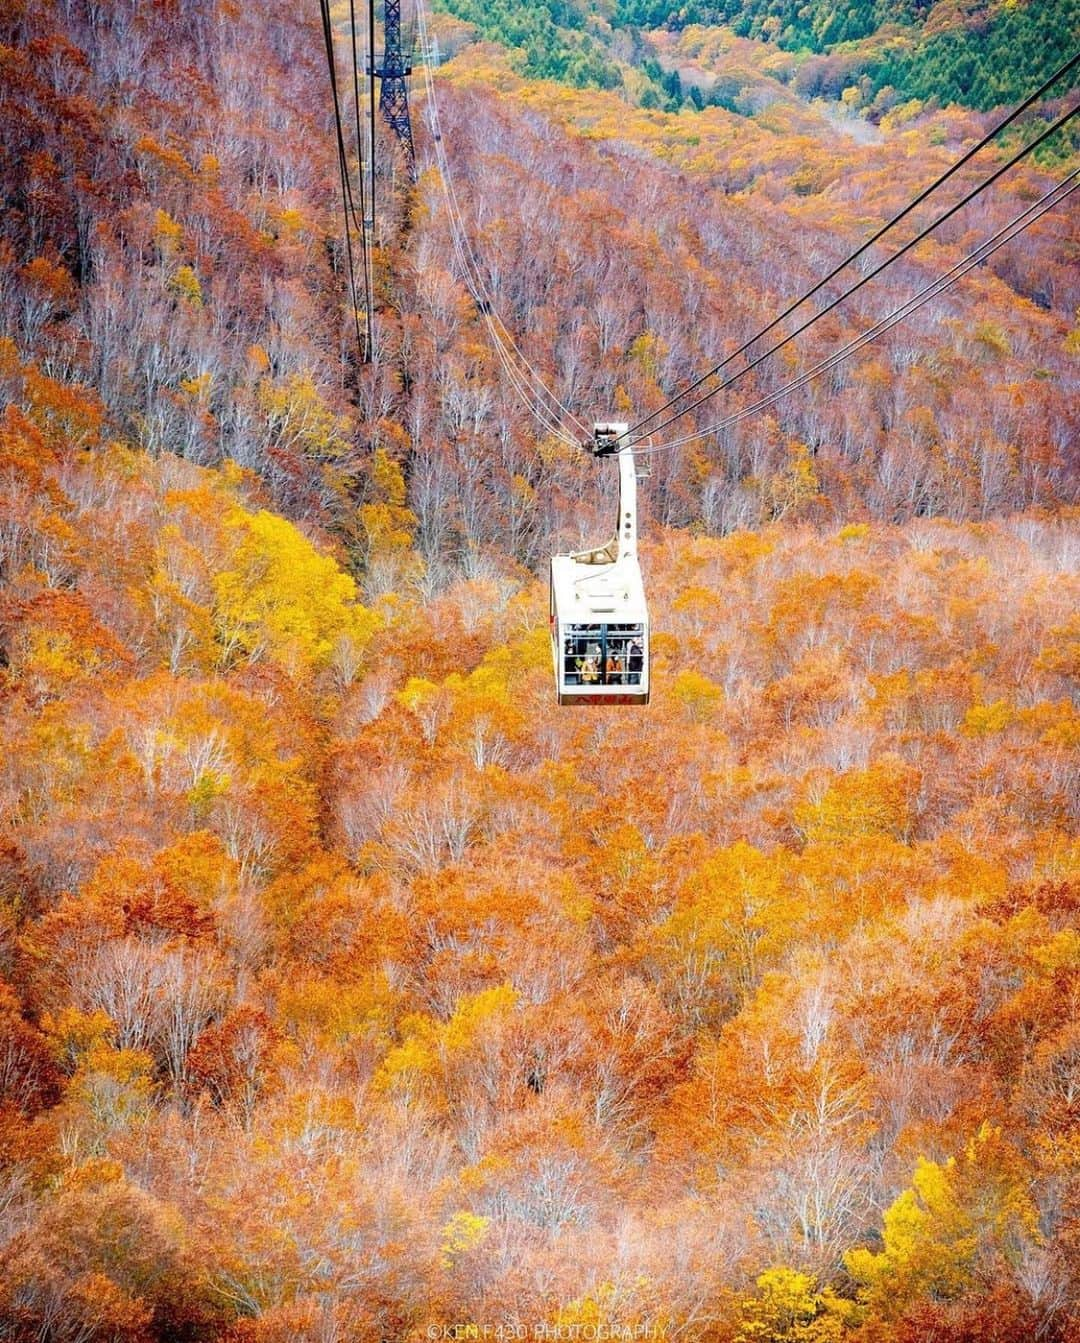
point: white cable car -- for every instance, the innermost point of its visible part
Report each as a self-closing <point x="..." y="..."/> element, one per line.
<point x="599" y="620"/>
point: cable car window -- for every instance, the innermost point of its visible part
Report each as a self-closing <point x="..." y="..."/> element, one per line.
<point x="604" y="654"/>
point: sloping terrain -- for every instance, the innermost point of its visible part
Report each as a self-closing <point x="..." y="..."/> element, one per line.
<point x="348" y="987"/>
<point x="356" y="986"/>
<point x="978" y="53"/>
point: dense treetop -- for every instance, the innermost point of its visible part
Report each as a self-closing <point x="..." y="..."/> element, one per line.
<point x="978" y="54"/>
<point x="348" y="987"/>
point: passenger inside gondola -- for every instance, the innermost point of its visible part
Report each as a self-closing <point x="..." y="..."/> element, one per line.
<point x="604" y="655"/>
<point x="635" y="661"/>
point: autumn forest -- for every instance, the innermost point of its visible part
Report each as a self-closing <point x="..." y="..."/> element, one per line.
<point x="353" y="991"/>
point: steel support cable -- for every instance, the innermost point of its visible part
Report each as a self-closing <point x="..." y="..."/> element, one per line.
<point x="474" y="281"/>
<point x="526" y="381"/>
<point x="348" y="203"/>
<point x="542" y="412"/>
<point x="457" y="238"/>
<point x="348" y="206"/>
<point x="872" y="274"/>
<point x="356" y="108"/>
<point x="866" y="338"/>
<point x="474" y="275"/>
<point x="371" y="107"/>
<point x="473" y="271"/>
<point x="343" y="160"/>
<point x="367" y="207"/>
<point x="1025" y="219"/>
<point x="500" y="332"/>
<point x="875" y="237"/>
<point x="957" y="272"/>
<point x="545" y="416"/>
<point x="537" y="407"/>
<point x="369" y="277"/>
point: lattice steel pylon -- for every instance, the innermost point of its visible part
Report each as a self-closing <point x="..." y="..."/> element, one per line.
<point x="392" y="70"/>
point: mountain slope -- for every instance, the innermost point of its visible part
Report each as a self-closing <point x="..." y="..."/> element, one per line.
<point x="981" y="53"/>
<point x="349" y="988"/>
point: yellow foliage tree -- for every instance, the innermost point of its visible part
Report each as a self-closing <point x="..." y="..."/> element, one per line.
<point x="473" y="1015"/>
<point x="462" y="1233"/>
<point x="168" y="235"/>
<point x="185" y="285"/>
<point x="875" y="801"/>
<point x="796" y="485"/>
<point x="984" y="720"/>
<point x="387" y="525"/>
<point x="970" y="1210"/>
<point x="111" y="1089"/>
<point x="734" y="916"/>
<point x="299" y="418"/>
<point x="788" y="1308"/>
<point x="280" y="598"/>
<point x="699" y="696"/>
<point x="431" y="1049"/>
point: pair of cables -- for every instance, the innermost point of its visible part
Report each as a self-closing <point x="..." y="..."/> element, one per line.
<point x="360" y="220"/>
<point x="1058" y="193"/>
<point x="542" y="403"/>
<point x="639" y="431"/>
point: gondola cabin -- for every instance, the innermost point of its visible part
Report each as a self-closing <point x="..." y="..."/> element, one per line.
<point x="599" y="620"/>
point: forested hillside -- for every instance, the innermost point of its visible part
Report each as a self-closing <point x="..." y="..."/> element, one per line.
<point x="979" y="54"/>
<point x="349" y="988"/>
